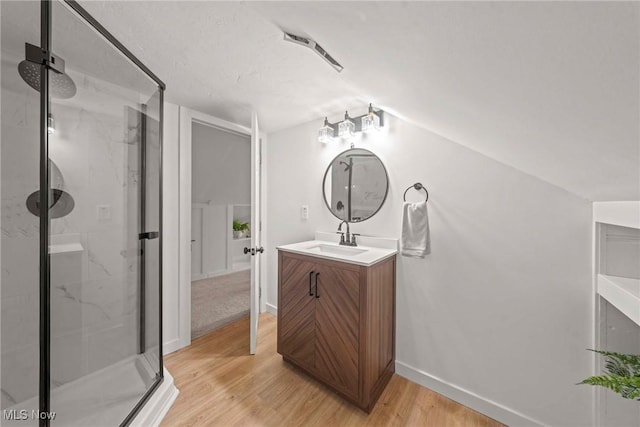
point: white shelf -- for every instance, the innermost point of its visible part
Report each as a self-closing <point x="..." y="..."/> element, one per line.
<point x="64" y="248"/>
<point x="626" y="214"/>
<point x="243" y="239"/>
<point x="623" y="293"/>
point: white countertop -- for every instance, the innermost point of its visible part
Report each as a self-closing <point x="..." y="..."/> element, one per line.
<point x="369" y="251"/>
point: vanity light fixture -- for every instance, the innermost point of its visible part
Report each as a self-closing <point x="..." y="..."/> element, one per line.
<point x="327" y="132"/>
<point x="347" y="127"/>
<point x="372" y="120"/>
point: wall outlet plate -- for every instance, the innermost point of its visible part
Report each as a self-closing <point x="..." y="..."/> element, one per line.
<point x="304" y="212"/>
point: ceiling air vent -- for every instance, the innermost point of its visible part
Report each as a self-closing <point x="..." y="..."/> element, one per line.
<point x="311" y="44"/>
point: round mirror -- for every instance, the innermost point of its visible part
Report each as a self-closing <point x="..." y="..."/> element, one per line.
<point x="355" y="185"/>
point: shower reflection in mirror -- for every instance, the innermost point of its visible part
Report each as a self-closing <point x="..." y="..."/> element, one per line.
<point x="355" y="185"/>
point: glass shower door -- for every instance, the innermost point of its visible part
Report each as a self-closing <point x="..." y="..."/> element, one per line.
<point x="20" y="246"/>
<point x="104" y="151"/>
<point x="151" y="249"/>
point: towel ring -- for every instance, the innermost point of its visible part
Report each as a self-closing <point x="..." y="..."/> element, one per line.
<point x="418" y="186"/>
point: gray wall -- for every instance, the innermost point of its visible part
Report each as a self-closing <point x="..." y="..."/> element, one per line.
<point x="499" y="315"/>
<point x="221" y="166"/>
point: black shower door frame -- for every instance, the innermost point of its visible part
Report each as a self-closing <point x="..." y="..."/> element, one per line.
<point x="45" y="220"/>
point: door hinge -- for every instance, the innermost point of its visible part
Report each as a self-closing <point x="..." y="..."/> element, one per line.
<point x="260" y="292"/>
<point x="38" y="55"/>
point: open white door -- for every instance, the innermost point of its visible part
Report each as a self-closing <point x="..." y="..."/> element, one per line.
<point x="256" y="241"/>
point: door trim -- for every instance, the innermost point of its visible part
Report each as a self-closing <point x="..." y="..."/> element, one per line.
<point x="187" y="118"/>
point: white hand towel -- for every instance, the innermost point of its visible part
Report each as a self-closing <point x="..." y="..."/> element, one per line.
<point x="415" y="242"/>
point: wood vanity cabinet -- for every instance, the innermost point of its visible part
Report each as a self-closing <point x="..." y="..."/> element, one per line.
<point x="336" y="321"/>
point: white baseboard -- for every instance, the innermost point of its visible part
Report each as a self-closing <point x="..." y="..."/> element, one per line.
<point x="271" y="309"/>
<point x="218" y="273"/>
<point x="171" y="346"/>
<point x="465" y="397"/>
<point x="158" y="404"/>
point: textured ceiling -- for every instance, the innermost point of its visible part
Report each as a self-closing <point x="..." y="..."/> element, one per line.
<point x="550" y="88"/>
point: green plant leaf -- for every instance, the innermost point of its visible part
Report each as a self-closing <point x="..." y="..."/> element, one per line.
<point x="615" y="366"/>
<point x="632" y="361"/>
<point x="627" y="387"/>
<point x="239" y="226"/>
<point x="623" y="374"/>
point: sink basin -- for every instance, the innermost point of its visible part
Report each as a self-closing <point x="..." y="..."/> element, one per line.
<point x="337" y="250"/>
<point x="325" y="245"/>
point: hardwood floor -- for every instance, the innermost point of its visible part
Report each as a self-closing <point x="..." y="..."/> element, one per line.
<point x="221" y="385"/>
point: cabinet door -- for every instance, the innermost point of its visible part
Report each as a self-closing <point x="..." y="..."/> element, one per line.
<point x="296" y="317"/>
<point x="337" y="328"/>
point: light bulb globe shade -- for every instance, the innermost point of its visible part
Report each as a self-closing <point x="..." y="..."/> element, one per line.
<point x="346" y="129"/>
<point x="325" y="134"/>
<point x="370" y="122"/>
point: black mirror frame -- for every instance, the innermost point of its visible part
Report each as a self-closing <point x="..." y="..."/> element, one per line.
<point x="324" y="179"/>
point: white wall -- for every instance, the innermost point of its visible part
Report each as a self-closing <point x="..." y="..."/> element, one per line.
<point x="498" y="317"/>
<point x="170" y="229"/>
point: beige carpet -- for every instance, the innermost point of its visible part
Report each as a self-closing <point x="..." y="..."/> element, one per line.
<point x="218" y="301"/>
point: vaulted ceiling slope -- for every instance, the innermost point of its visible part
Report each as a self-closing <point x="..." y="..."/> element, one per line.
<point x="550" y="88"/>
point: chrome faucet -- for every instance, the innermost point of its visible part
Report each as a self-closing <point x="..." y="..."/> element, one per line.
<point x="350" y="239"/>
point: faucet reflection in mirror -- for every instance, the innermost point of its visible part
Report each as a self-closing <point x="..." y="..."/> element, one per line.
<point x="347" y="128"/>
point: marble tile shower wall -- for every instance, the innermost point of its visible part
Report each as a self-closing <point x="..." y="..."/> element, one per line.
<point x="94" y="301"/>
<point x="19" y="294"/>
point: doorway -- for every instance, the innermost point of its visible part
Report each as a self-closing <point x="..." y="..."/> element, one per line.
<point x="220" y="227"/>
<point x="217" y="260"/>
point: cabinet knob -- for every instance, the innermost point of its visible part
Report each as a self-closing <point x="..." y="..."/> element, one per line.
<point x="317" y="294"/>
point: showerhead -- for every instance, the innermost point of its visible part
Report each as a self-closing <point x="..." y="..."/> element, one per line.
<point x="60" y="202"/>
<point x="346" y="165"/>
<point x="61" y="85"/>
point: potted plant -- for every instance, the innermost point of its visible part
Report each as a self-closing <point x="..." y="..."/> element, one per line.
<point x="240" y="229"/>
<point x="622" y="374"/>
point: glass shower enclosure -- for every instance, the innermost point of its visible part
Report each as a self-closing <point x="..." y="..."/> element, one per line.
<point x="81" y="279"/>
